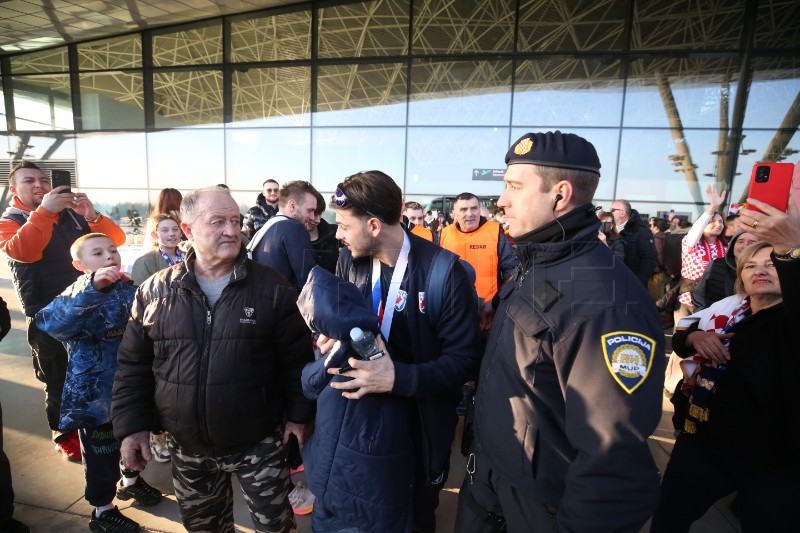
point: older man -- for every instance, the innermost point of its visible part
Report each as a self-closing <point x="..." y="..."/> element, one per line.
<point x="640" y="250"/>
<point x="213" y="354"/>
<point x="566" y="398"/>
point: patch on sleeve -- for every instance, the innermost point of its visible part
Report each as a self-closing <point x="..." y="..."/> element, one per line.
<point x="629" y="357"/>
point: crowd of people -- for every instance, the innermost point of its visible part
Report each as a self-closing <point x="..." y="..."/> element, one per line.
<point x="229" y="351"/>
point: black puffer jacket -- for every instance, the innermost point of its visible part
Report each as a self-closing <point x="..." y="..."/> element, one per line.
<point x="218" y="380"/>
<point x="640" y="250"/>
<point x="257" y="216"/>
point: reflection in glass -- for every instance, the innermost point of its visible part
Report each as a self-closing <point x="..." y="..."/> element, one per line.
<point x="339" y="153"/>
<point x="49" y="146"/>
<point x="368" y="94"/>
<point x="579" y="25"/>
<point x="195" y="46"/>
<point x="53" y="60"/>
<point x="271" y="38"/>
<point x="112" y="160"/>
<point x="187" y="98"/>
<point x="110" y="54"/>
<point x="444" y="160"/>
<point x="458" y="27"/>
<point x="121" y="205"/>
<point x="253" y="155"/>
<point x="667" y="92"/>
<point x="562" y="91"/>
<point x="112" y="100"/>
<point x="3" y="125"/>
<point x="364" y="29"/>
<point x="662" y="165"/>
<point x="687" y="25"/>
<point x="460" y="92"/>
<point x="605" y="141"/>
<point x="776" y="24"/>
<point x="43" y="102"/>
<point x="186" y="159"/>
<point x="272" y="96"/>
<point x="774" y="95"/>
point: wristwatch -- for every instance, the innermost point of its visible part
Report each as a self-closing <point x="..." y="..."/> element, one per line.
<point x="793" y="253"/>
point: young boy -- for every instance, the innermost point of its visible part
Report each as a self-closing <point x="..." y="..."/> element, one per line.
<point x="167" y="236"/>
<point x="89" y="317"/>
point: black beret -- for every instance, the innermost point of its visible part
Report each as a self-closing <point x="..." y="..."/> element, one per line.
<point x="554" y="149"/>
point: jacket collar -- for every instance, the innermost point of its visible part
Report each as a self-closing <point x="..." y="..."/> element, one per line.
<point x="545" y="244"/>
<point x="186" y="277"/>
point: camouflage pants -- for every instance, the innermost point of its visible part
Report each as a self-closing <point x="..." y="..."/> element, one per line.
<point x="205" y="494"/>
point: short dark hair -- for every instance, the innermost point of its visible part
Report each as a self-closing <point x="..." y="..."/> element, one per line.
<point x="19" y="166"/>
<point x="465" y="196"/>
<point x="731" y="218"/>
<point x="373" y="190"/>
<point x="295" y="190"/>
<point x="320" y="204"/>
<point x="584" y="183"/>
<point x="270" y="180"/>
<point x="661" y="224"/>
<point x="414" y="206"/>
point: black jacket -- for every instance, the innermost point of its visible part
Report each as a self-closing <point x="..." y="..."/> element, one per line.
<point x="326" y="247"/>
<point x="570" y="384"/>
<point x="640" y="251"/>
<point x="753" y="413"/>
<point x="219" y="380"/>
<point x="257" y="215"/>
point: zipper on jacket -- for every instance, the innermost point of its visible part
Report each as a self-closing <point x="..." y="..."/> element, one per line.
<point x="201" y="385"/>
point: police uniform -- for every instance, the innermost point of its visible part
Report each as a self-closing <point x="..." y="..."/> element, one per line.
<point x="570" y="384"/>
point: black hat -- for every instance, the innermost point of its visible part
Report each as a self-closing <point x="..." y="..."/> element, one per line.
<point x="554" y="149"/>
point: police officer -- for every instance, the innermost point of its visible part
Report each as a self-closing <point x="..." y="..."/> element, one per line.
<point x="569" y="386"/>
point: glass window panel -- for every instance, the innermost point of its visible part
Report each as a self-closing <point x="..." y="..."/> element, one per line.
<point x="776" y="24"/>
<point x="368" y="94"/>
<point x="272" y="38"/>
<point x="187" y="98"/>
<point x="447" y="27"/>
<point x="186" y="159"/>
<point x="3" y="124"/>
<point x="364" y="29"/>
<point x="702" y="91"/>
<point x="579" y="25"/>
<point x="605" y="141"/>
<point x="53" y="146"/>
<point x="563" y="91"/>
<point x="254" y="155"/>
<point x="443" y="160"/>
<point x="112" y="160"/>
<point x="112" y="100"/>
<point x="194" y="46"/>
<point x="54" y="60"/>
<point x="122" y="205"/>
<point x="109" y="54"/>
<point x="460" y="93"/>
<point x="341" y="152"/>
<point x="653" y="164"/>
<point x="687" y="25"/>
<point x="774" y="95"/>
<point x="272" y="96"/>
<point x="43" y="102"/>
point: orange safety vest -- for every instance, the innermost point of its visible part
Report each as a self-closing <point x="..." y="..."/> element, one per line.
<point x="479" y="249"/>
<point x="422" y="231"/>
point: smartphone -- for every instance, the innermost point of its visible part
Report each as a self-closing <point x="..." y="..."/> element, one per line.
<point x="770" y="183"/>
<point x="608" y="227"/>
<point x="61" y="177"/>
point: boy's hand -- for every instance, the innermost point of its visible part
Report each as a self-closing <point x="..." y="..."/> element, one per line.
<point x="103" y="277"/>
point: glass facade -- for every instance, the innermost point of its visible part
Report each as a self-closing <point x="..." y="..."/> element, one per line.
<point x="674" y="94"/>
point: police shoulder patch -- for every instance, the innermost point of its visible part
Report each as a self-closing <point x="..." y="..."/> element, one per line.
<point x="629" y="357"/>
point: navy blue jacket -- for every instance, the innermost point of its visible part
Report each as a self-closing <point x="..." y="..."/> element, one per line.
<point x="360" y="459"/>
<point x="286" y="247"/>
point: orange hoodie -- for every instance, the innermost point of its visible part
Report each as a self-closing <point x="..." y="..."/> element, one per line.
<point x="26" y="243"/>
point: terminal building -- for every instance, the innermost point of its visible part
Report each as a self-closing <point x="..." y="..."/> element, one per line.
<point x="134" y="96"/>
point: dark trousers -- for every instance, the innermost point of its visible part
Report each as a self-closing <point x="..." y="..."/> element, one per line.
<point x="696" y="478"/>
<point x="50" y="366"/>
<point x="100" y="456"/>
<point x="495" y="504"/>
<point x="6" y="490"/>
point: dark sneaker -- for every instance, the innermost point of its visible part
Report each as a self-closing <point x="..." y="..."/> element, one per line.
<point x="112" y="521"/>
<point x="13" y="525"/>
<point x="144" y="494"/>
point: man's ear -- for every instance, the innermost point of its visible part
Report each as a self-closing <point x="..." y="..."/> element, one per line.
<point x="187" y="230"/>
<point x="374" y="226"/>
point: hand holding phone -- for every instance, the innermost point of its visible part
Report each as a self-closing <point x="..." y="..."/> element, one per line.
<point x="770" y="183"/>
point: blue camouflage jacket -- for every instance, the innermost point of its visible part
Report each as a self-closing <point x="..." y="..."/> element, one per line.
<point x="90" y="323"/>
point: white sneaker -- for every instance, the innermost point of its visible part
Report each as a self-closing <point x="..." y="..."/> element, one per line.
<point x="159" y="447"/>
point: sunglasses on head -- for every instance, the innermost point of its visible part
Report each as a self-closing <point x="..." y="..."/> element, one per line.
<point x="341" y="200"/>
